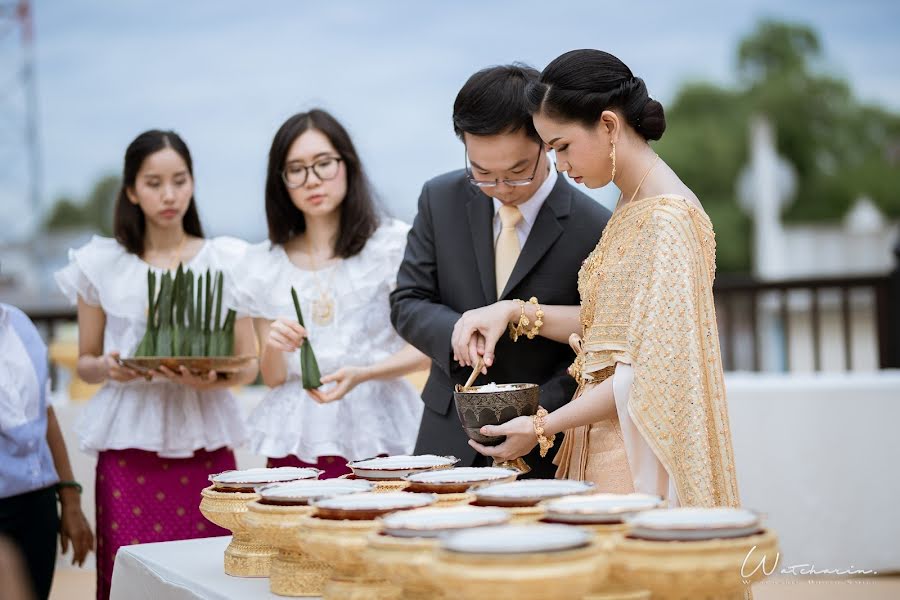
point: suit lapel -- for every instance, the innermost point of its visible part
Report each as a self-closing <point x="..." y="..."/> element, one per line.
<point x="481" y="215"/>
<point x="544" y="233"/>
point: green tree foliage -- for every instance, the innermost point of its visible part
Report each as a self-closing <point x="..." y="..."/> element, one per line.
<point x="839" y="147"/>
<point x="95" y="212"/>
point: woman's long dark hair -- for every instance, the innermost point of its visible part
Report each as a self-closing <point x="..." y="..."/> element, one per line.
<point x="129" y="223"/>
<point x="359" y="217"/>
<point x="579" y="85"/>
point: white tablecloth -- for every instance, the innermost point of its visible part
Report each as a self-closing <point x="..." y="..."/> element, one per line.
<point x="185" y="570"/>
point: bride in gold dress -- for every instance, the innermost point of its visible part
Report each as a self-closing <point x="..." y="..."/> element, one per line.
<point x="650" y="412"/>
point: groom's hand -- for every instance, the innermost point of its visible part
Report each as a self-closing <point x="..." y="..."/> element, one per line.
<point x="476" y="333"/>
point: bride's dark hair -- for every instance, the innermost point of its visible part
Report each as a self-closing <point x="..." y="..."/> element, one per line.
<point x="579" y="85"/>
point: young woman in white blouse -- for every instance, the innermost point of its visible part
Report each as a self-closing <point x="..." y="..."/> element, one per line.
<point x="327" y="241"/>
<point x="157" y="441"/>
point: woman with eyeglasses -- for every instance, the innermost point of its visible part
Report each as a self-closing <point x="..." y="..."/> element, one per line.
<point x="327" y="241"/>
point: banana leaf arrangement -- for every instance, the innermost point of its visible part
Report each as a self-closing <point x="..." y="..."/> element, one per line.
<point x="185" y="316"/>
<point x="309" y="366"/>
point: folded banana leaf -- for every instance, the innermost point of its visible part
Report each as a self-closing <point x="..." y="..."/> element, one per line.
<point x="309" y="367"/>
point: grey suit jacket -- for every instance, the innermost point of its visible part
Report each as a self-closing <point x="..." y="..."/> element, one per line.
<point x="448" y="269"/>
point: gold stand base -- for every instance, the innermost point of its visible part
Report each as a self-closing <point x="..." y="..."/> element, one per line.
<point x="246" y="557"/>
<point x="296" y="574"/>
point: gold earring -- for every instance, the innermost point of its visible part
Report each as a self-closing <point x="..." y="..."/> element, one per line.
<point x="612" y="156"/>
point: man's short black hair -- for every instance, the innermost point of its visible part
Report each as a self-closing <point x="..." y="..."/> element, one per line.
<point x="492" y="101"/>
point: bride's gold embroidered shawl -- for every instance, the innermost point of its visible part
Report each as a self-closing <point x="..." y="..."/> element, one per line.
<point x="647" y="300"/>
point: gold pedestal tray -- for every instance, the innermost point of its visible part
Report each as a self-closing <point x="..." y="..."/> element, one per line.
<point x="245" y="556"/>
<point x="406" y="562"/>
<point x="696" y="570"/>
<point x="613" y="586"/>
<point x="460" y="499"/>
<point x="342" y="546"/>
<point x="561" y="575"/>
<point x="381" y="485"/>
<point x="293" y="572"/>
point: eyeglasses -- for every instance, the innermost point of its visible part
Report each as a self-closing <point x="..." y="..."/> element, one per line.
<point x="509" y="182"/>
<point x="295" y="174"/>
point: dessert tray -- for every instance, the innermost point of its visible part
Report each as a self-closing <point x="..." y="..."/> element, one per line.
<point x="433" y="522"/>
<point x="248" y="479"/>
<point x="529" y="492"/>
<point x="598" y="508"/>
<point x="397" y="467"/>
<point x="687" y="524"/>
<point x="459" y="479"/>
<point x="517" y="539"/>
<point x="306" y="491"/>
<point x="367" y="506"/>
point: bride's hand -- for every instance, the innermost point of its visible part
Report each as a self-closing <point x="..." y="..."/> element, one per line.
<point x="520" y="439"/>
<point x="478" y="330"/>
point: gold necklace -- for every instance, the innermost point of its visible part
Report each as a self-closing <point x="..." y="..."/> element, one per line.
<point x="323" y="304"/>
<point x="640" y="183"/>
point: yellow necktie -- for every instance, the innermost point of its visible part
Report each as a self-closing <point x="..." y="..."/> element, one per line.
<point x="507" y="251"/>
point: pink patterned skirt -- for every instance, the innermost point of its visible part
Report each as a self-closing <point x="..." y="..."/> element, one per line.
<point x="143" y="498"/>
<point x="333" y="466"/>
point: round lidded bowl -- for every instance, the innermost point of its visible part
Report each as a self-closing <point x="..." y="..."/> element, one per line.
<point x="399" y="466"/>
<point x="596" y="509"/>
<point x="458" y="480"/>
<point x="494" y="404"/>
<point x="302" y="493"/>
<point x="694" y="523"/>
<point x="696" y="552"/>
<point x="518" y="562"/>
<point x="529" y="492"/>
<point x="367" y="506"/>
<point x="275" y="519"/>
<point x="337" y="534"/>
<point x="247" y="480"/>
<point x="433" y="522"/>
<point x="404" y="548"/>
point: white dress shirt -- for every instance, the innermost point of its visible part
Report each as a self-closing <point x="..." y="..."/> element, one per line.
<point x="530" y="209"/>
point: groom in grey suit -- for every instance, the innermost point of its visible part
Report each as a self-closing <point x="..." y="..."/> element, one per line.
<point x="509" y="194"/>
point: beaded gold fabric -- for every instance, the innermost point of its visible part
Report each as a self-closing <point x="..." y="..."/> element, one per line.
<point x="647" y="300"/>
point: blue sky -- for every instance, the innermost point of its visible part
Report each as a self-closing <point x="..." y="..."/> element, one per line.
<point x="225" y="74"/>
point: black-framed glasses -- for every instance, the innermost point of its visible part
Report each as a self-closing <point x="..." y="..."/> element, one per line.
<point x="509" y="182"/>
<point x="296" y="174"/>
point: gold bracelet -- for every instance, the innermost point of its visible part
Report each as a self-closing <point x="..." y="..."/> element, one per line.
<point x="519" y="329"/>
<point x="545" y="442"/>
<point x="538" y="319"/>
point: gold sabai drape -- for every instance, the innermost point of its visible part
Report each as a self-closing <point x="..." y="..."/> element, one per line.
<point x="647" y="301"/>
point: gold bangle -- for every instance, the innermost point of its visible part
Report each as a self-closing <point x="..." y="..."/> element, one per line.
<point x="519" y="328"/>
<point x="538" y="319"/>
<point x="538" y="421"/>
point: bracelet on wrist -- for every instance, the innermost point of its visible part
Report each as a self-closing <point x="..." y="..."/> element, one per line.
<point x="520" y="328"/>
<point x="545" y="442"/>
<point x="69" y="484"/>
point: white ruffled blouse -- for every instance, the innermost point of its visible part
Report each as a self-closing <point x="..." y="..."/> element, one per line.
<point x="376" y="417"/>
<point x="159" y="416"/>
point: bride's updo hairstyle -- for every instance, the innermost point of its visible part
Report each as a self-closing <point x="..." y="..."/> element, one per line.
<point x="579" y="85"/>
